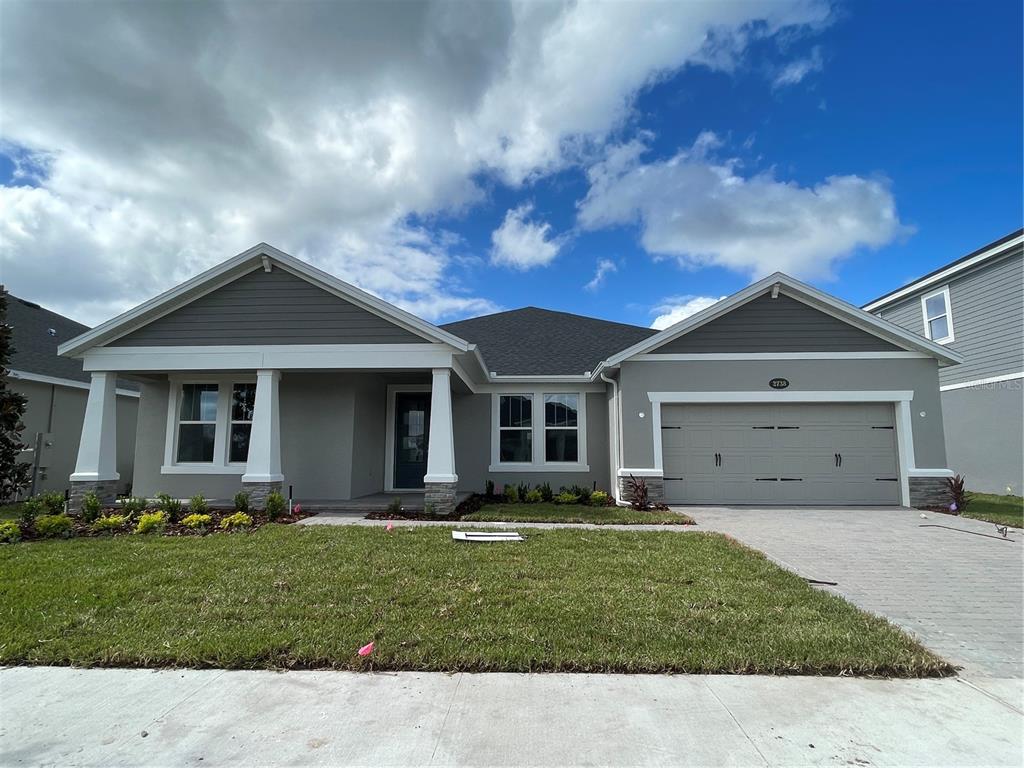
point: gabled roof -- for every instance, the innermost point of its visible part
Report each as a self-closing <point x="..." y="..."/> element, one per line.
<point x="533" y="341"/>
<point x="36" y="332"/>
<point x="803" y="293"/>
<point x="259" y="256"/>
<point x="944" y="273"/>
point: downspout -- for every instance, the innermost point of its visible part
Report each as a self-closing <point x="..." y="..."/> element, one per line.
<point x="617" y="437"/>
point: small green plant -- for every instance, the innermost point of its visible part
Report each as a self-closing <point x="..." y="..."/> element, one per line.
<point x="108" y="523"/>
<point x="275" y="505"/>
<point x="567" y="497"/>
<point x="151" y="522"/>
<point x="170" y="506"/>
<point x="429" y="509"/>
<point x="10" y="532"/>
<point x="395" y="506"/>
<point x="512" y="494"/>
<point x="196" y="521"/>
<point x="52" y="526"/>
<point x="489" y="488"/>
<point x="133" y="506"/>
<point x="31" y="509"/>
<point x="582" y="493"/>
<point x="533" y="497"/>
<point x="91" y="507"/>
<point x="546" y="493"/>
<point x="197" y="505"/>
<point x="242" y="501"/>
<point x="53" y="501"/>
<point x="237" y="520"/>
<point x="522" y="489"/>
<point x="598" y="498"/>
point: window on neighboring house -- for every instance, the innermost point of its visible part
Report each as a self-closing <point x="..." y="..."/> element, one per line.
<point x="243" y="401"/>
<point x="938" y="318"/>
<point x="515" y="428"/>
<point x="197" y="423"/>
<point x="561" y="427"/>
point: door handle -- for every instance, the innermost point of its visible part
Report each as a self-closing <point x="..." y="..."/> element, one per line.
<point x="840" y="459"/>
<point x="835" y="459"/>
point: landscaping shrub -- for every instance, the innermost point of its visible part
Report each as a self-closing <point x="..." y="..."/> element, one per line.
<point x="91" y="507"/>
<point x="599" y="498"/>
<point x="238" y="520"/>
<point x="582" y="493"/>
<point x="196" y="521"/>
<point x="533" y="497"/>
<point x="52" y="526"/>
<point x="637" y="491"/>
<point x="242" y="501"/>
<point x="53" y="501"/>
<point x="197" y="505"/>
<point x="152" y="522"/>
<point x="522" y="489"/>
<point x="170" y="506"/>
<point x="546" y="494"/>
<point x="395" y="506"/>
<point x="133" y="506"/>
<point x="275" y="505"/>
<point x="489" y="488"/>
<point x="109" y="523"/>
<point x="31" y="509"/>
<point x="567" y="497"/>
<point x="10" y="532"/>
<point x="958" y="495"/>
<point x="511" y="494"/>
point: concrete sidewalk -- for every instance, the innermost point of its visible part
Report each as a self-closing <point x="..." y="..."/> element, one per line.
<point x="60" y="716"/>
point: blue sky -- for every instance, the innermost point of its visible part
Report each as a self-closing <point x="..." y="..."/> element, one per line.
<point x="136" y="176"/>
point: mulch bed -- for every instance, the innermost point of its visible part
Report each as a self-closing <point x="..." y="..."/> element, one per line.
<point x="469" y="505"/>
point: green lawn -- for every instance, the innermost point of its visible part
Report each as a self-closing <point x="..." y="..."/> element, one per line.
<point x="297" y="596"/>
<point x="573" y="513"/>
<point x="1005" y="510"/>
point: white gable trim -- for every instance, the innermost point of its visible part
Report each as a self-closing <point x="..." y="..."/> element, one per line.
<point x="807" y="295"/>
<point x="257" y="257"/>
<point x="41" y="379"/>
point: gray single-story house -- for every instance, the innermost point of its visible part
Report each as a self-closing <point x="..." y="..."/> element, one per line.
<point x="266" y="372"/>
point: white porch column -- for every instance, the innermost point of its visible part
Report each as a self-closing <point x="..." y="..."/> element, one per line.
<point x="264" y="462"/>
<point x="441" y="440"/>
<point x="97" y="451"/>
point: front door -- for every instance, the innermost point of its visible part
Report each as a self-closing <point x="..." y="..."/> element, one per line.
<point x="412" y="421"/>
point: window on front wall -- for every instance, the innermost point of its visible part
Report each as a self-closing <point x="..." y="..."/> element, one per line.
<point x="197" y="423"/>
<point x="243" y="402"/>
<point x="938" y="320"/>
<point x="561" y="428"/>
<point x="515" y="422"/>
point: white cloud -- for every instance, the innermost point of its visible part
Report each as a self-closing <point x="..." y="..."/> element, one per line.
<point x="604" y="268"/>
<point x="705" y="212"/>
<point x="677" y="308"/>
<point x="523" y="244"/>
<point x="795" y="71"/>
<point x="164" y="139"/>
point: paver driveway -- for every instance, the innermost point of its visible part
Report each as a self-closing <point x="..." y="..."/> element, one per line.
<point x="959" y="593"/>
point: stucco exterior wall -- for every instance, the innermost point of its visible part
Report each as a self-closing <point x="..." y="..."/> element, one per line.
<point x="59" y="410"/>
<point x="984" y="440"/>
<point x="920" y="375"/>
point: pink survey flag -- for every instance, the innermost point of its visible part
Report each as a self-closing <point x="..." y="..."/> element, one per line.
<point x="389" y="526"/>
<point x="298" y="509"/>
<point x="366" y="650"/>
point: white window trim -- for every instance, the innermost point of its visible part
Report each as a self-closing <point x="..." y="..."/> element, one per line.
<point x="539" y="463"/>
<point x="948" y="314"/>
<point x="389" y="437"/>
<point x="220" y="464"/>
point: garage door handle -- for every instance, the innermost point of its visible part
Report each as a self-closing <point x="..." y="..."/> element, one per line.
<point x="840" y="459"/>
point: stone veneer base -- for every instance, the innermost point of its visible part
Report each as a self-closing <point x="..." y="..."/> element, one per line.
<point x="105" y="490"/>
<point x="929" y="492"/>
<point x="439" y="498"/>
<point x="655" y="489"/>
<point x="258" y="493"/>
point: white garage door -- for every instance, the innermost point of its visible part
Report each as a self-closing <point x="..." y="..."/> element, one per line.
<point x="827" y="453"/>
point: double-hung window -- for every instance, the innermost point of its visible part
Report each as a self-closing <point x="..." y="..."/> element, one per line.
<point x="938" y="316"/>
<point x="561" y="427"/>
<point x="515" y="420"/>
<point x="197" y="423"/>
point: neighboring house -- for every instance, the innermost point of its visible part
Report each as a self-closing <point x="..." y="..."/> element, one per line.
<point x="975" y="305"/>
<point x="57" y="390"/>
<point x="265" y="372"/>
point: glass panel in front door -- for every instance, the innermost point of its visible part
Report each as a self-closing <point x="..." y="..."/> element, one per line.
<point x="412" y="424"/>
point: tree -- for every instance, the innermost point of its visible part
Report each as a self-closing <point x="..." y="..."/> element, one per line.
<point x="14" y="474"/>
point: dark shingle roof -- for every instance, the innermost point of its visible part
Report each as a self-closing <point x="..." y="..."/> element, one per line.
<point x="35" y="348"/>
<point x="532" y="341"/>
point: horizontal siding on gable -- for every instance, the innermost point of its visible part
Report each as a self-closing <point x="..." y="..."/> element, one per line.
<point x="782" y="324"/>
<point x="987" y="304"/>
<point x="274" y="307"/>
